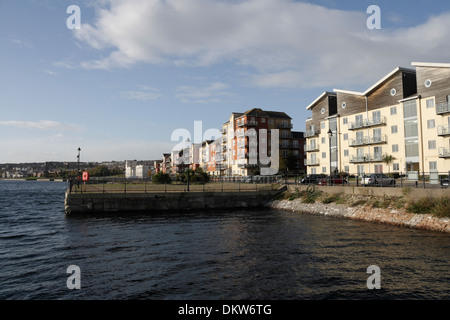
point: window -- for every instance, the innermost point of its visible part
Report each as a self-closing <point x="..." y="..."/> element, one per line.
<point x="263" y="120"/>
<point x="411" y="129"/>
<point x="343" y="105"/>
<point x="323" y="140"/>
<point x="313" y="171"/>
<point x="430" y="103"/>
<point x="359" y="120"/>
<point x="345" y="120"/>
<point x="393" y="92"/>
<point x="433" y="165"/>
<point x="285" y="153"/>
<point x="411" y="148"/>
<point x="396" y="167"/>
<point x="324" y="169"/>
<point x="394" y="129"/>
<point x="322" y="111"/>
<point x="322" y="125"/>
<point x="345" y="153"/>
<point x="378" y="168"/>
<point x="376" y="115"/>
<point x="428" y="83"/>
<point x="324" y="155"/>
<point x="395" y="148"/>
<point x="431" y="144"/>
<point x="347" y="169"/>
<point x="410" y="109"/>
<point x="345" y="136"/>
<point x="393" y="111"/>
<point x="431" y="124"/>
<point x="271" y="122"/>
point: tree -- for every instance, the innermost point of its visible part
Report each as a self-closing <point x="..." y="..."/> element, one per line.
<point x="388" y="159"/>
<point x="161" y="178"/>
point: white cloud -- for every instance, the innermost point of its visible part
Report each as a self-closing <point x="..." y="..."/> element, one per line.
<point x="145" y="94"/>
<point x="42" y="125"/>
<point x="212" y="93"/>
<point x="308" y="44"/>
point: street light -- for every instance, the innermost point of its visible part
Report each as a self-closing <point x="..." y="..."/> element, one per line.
<point x="330" y="135"/>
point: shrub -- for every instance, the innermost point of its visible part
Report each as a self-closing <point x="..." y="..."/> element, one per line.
<point x="332" y="198"/>
<point x="161" y="178"/>
<point x="358" y="203"/>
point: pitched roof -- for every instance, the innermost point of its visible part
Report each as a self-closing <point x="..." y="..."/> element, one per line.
<point x="326" y="93"/>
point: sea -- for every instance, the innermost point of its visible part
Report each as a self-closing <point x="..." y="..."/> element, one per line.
<point x="237" y="255"/>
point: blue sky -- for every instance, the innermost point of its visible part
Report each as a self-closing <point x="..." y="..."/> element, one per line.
<point x="137" y="70"/>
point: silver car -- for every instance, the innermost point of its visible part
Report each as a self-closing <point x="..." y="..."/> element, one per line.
<point x="378" y="179"/>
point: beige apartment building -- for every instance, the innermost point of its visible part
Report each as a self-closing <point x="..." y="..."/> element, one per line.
<point x="405" y="115"/>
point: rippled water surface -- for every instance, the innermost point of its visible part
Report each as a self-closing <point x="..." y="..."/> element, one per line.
<point x="266" y="254"/>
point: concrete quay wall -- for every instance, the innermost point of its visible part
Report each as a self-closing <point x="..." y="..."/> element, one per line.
<point x="179" y="201"/>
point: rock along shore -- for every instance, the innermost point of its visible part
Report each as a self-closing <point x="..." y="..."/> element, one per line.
<point x="399" y="217"/>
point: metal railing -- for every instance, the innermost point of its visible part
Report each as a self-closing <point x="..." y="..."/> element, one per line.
<point x="367" y="123"/>
<point x="376" y="157"/>
<point x="443" y="130"/>
<point x="410" y="179"/>
<point x="368" y="141"/>
<point x="443" y="107"/>
<point x="215" y="184"/>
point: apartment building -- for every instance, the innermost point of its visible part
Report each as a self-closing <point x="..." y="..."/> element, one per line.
<point x="247" y="141"/>
<point x="404" y="115"/>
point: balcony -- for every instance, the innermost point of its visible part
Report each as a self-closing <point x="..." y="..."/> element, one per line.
<point x="442" y="108"/>
<point x="284" y="125"/>
<point x="243" y="123"/>
<point x="242" y="143"/>
<point x="240" y="133"/>
<point x="376" y="157"/>
<point x="444" y="153"/>
<point x="367" y="123"/>
<point x="311" y="133"/>
<point x="312" y="148"/>
<point x="443" y="131"/>
<point x="312" y="162"/>
<point x="366" y="141"/>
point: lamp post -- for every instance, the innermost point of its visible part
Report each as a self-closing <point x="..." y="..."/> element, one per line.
<point x="78" y="165"/>
<point x="330" y="135"/>
<point x="188" y="143"/>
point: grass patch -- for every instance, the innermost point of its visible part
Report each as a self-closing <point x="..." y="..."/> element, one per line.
<point x="358" y="203"/>
<point x="333" y="198"/>
<point x="439" y="207"/>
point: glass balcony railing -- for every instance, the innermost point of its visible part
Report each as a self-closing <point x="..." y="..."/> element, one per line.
<point x="376" y="157"/>
<point x="442" y="108"/>
<point x="368" y="141"/>
<point x="366" y="123"/>
<point x="443" y="130"/>
<point x="444" y="153"/>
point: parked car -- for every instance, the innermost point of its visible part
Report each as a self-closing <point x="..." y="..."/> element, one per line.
<point x="311" y="179"/>
<point x="445" y="182"/>
<point x="332" y="180"/>
<point x="377" y="179"/>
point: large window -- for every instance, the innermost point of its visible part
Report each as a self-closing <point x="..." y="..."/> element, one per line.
<point x="411" y="128"/>
<point x="410" y="109"/>
<point x="411" y="148"/>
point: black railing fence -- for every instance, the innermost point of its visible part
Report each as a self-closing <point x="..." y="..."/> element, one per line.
<point x="413" y="179"/>
<point x="214" y="184"/>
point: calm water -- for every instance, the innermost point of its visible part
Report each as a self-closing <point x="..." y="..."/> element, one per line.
<point x="252" y="255"/>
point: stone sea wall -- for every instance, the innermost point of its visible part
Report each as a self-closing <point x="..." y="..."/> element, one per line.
<point x="399" y="217"/>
